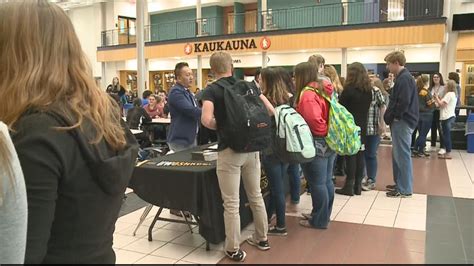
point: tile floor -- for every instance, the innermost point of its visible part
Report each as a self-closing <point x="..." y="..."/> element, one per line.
<point x="394" y="230"/>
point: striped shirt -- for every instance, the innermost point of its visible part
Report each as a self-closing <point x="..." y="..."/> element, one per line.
<point x="373" y="116"/>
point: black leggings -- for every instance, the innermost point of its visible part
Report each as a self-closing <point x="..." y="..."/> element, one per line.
<point x="435" y="128"/>
<point x="355" y="165"/>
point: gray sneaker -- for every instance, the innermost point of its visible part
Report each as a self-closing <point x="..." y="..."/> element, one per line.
<point x="368" y="186"/>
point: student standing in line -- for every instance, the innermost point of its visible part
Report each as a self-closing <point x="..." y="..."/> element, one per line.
<point x="356" y="97"/>
<point x="426" y="106"/>
<point x="455" y="77"/>
<point x="402" y="115"/>
<point x="437" y="89"/>
<point x="273" y="85"/>
<point x="13" y="207"/>
<point x="315" y="111"/>
<point x="232" y="166"/>
<point x="76" y="152"/>
<point x="447" y="116"/>
<point x="375" y="127"/>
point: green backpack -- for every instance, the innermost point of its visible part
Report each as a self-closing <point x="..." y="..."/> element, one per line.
<point x="343" y="134"/>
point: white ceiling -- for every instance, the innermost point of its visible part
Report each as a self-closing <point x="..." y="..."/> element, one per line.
<point x="153" y="5"/>
<point x="71" y="4"/>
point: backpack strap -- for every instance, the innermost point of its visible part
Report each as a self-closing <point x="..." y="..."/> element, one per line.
<point x="314" y="87"/>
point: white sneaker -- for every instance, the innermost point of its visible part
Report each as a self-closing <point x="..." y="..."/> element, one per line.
<point x="431" y="149"/>
<point x="441" y="151"/>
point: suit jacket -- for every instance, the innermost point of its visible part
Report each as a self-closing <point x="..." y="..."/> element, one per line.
<point x="185" y="116"/>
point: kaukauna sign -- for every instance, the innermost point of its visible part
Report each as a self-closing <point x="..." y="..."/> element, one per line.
<point x="228" y="46"/>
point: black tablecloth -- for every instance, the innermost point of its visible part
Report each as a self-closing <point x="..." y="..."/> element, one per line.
<point x="193" y="188"/>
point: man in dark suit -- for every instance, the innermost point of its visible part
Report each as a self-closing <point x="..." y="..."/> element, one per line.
<point x="185" y="115"/>
<point x="184" y="110"/>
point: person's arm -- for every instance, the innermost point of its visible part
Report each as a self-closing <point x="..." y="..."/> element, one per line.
<point x="442" y="103"/>
<point x="180" y="102"/>
<point x="382" y="125"/>
<point x="146" y="117"/>
<point x="42" y="163"/>
<point x="207" y="117"/>
<point x="268" y="105"/>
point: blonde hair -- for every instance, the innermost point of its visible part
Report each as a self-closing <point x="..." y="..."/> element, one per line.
<point x="220" y="62"/>
<point x="331" y="73"/>
<point x="396" y="56"/>
<point x="378" y="83"/>
<point x="451" y="86"/>
<point x="44" y="68"/>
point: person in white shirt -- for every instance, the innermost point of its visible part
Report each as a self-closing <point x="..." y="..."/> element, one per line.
<point x="447" y="107"/>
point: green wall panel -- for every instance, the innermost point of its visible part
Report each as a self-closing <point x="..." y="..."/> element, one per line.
<point x="181" y="24"/>
<point x="239" y="17"/>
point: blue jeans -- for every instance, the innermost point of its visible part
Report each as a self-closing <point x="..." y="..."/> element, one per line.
<point x="401" y="156"/>
<point x="319" y="174"/>
<point x="276" y="171"/>
<point x="295" y="182"/>
<point x="424" y="126"/>
<point x="446" y="125"/>
<point x="371" y="145"/>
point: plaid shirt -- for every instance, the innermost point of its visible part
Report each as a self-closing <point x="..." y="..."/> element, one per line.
<point x="378" y="101"/>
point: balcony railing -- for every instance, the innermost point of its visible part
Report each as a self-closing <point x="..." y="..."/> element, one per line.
<point x="350" y="13"/>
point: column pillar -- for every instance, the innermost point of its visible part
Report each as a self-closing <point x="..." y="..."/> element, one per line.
<point x="140" y="44"/>
<point x="344" y="62"/>
<point x="199" y="57"/>
<point x="103" y="40"/>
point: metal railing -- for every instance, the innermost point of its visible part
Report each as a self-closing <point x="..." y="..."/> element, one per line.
<point x="348" y="13"/>
<point x="242" y="22"/>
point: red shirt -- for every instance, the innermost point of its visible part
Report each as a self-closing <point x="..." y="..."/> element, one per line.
<point x="152" y="112"/>
<point x="315" y="109"/>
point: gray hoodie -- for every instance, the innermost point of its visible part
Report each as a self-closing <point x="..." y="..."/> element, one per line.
<point x="13" y="208"/>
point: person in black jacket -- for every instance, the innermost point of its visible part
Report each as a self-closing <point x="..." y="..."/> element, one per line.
<point x="136" y="117"/>
<point x="402" y="115"/>
<point x="76" y="153"/>
<point x="356" y="97"/>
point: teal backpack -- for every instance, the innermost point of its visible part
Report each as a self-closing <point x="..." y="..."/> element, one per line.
<point x="293" y="141"/>
<point x="343" y="134"/>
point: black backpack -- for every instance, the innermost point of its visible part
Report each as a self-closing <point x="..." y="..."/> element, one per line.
<point x="248" y="126"/>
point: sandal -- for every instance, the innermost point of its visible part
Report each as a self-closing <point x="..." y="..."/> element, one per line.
<point x="445" y="157"/>
<point x="305" y="223"/>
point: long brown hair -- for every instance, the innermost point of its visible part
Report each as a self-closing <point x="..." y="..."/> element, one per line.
<point x="422" y="82"/>
<point x="44" y="68"/>
<point x="274" y="86"/>
<point x="357" y="78"/>
<point x="304" y="74"/>
<point x="331" y="73"/>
